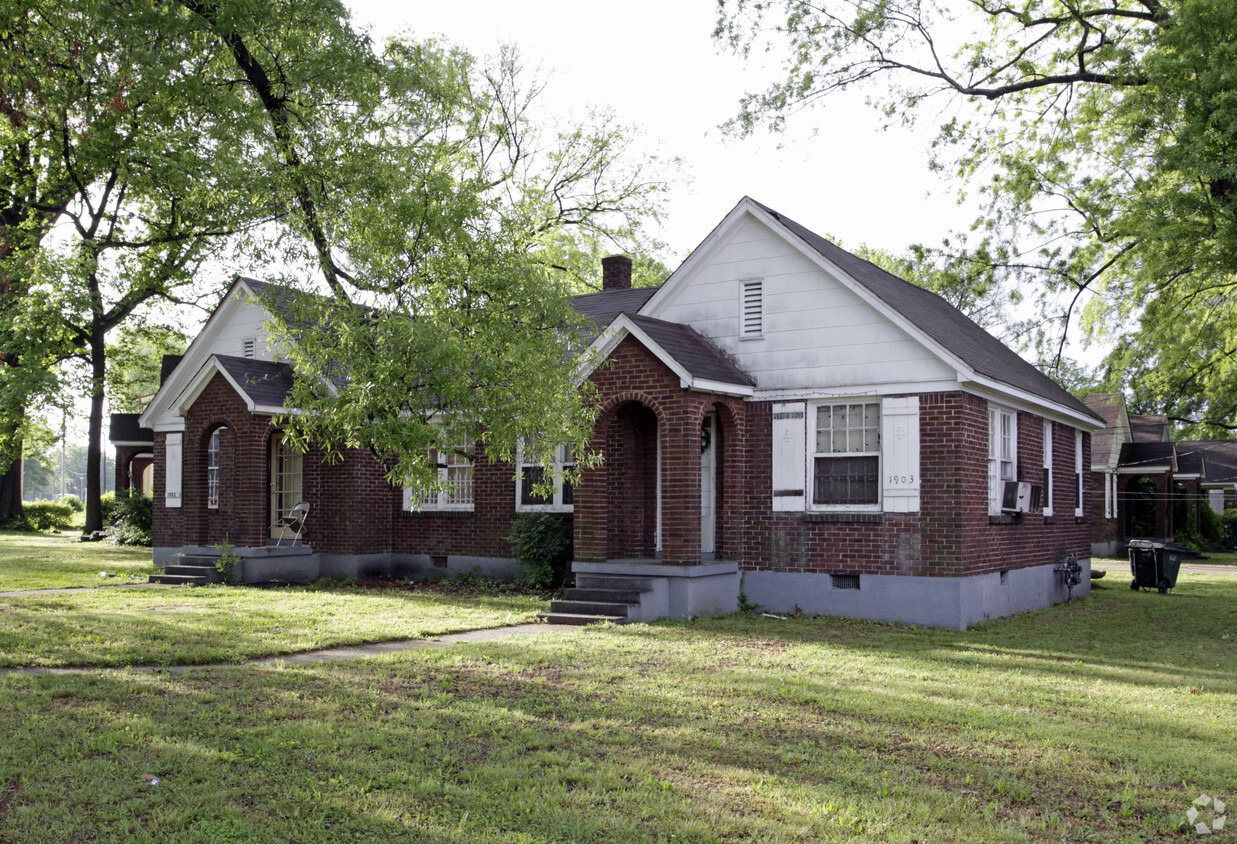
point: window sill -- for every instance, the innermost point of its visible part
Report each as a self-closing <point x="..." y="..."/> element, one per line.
<point x="838" y="516"/>
<point x="442" y="513"/>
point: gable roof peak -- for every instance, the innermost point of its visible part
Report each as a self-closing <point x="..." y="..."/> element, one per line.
<point x="931" y="315"/>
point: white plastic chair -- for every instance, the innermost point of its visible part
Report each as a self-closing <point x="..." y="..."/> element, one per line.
<point x="295" y="520"/>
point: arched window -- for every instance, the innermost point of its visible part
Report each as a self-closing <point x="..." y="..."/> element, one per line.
<point x="212" y="469"/>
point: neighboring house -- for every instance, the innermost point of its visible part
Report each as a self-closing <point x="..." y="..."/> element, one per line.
<point x="780" y="417"/>
<point x="135" y="454"/>
<point x="1151" y="484"/>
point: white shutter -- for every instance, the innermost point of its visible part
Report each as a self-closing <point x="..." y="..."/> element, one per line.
<point x="789" y="456"/>
<point x="173" y="452"/>
<point x="900" y="454"/>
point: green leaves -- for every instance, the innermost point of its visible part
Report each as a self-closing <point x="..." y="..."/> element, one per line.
<point x="1101" y="137"/>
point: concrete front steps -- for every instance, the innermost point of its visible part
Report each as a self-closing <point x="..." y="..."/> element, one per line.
<point x="598" y="599"/>
<point x="190" y="571"/>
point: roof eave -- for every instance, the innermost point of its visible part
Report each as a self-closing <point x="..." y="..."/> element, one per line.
<point x="623" y="326"/>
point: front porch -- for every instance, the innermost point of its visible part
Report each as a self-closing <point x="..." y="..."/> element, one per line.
<point x="646" y="590"/>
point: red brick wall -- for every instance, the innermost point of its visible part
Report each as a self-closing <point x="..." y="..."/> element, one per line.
<point x="615" y="504"/>
<point x="481" y="532"/>
<point x="951" y="535"/>
<point x="356" y="512"/>
<point x="353" y="509"/>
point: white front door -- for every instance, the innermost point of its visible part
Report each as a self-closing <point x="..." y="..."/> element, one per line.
<point x="708" y="485"/>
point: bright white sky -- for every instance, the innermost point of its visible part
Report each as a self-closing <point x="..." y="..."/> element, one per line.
<point x="655" y="64"/>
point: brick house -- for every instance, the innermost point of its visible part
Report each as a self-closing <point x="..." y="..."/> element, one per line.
<point x="779" y="416"/>
<point x="1147" y="485"/>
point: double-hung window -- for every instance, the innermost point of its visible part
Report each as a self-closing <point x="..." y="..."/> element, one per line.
<point x="1078" y="474"/>
<point x="846" y="458"/>
<point x="455" y="477"/>
<point x="1047" y="468"/>
<point x="1002" y="454"/>
<point x="212" y="469"/>
<point x="532" y="475"/>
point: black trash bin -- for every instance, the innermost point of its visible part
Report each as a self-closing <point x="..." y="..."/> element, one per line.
<point x="1153" y="565"/>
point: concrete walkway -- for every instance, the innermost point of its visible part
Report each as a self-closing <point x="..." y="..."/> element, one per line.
<point x="68" y="589"/>
<point x="324" y="655"/>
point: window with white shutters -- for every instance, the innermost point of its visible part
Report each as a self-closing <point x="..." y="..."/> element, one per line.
<point x="751" y="309"/>
<point x="846" y="457"/>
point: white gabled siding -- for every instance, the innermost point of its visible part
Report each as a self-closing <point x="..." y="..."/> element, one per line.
<point x="790" y="456"/>
<point x="173" y="451"/>
<point x="815" y="330"/>
<point x="243" y="334"/>
<point x="900" y="454"/>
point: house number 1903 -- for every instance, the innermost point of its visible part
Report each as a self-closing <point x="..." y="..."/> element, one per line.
<point x="901" y="480"/>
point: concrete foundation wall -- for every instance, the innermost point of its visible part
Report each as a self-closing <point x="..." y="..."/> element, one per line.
<point x="953" y="602"/>
<point x="301" y="565"/>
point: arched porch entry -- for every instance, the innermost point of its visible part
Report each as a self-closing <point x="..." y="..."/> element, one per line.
<point x="633" y="474"/>
<point x="1145" y="509"/>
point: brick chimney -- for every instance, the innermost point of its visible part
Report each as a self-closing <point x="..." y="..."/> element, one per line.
<point x="616" y="272"/>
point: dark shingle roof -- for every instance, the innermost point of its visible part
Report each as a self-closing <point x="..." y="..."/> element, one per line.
<point x="941" y="321"/>
<point x="1148" y="428"/>
<point x="124" y="428"/>
<point x="696" y="354"/>
<point x="278" y="298"/>
<point x="1106" y="406"/>
<point x="1219" y="458"/>
<point x="604" y="307"/>
<point x="1147" y="454"/>
<point x="264" y="382"/>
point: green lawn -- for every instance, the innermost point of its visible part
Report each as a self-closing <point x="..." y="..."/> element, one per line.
<point x="205" y="624"/>
<point x="1095" y="721"/>
<point x="58" y="560"/>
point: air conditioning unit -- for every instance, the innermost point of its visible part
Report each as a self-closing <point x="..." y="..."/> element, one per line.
<point x="1020" y="497"/>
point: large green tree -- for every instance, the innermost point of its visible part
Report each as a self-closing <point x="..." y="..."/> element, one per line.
<point x="141" y="137"/>
<point x="451" y="319"/>
<point x="1100" y="136"/>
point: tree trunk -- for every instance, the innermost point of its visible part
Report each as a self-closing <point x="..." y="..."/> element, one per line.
<point x="10" y="494"/>
<point x="10" y="481"/>
<point x="94" y="446"/>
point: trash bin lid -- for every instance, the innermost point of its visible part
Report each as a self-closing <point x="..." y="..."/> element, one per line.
<point x="1145" y="543"/>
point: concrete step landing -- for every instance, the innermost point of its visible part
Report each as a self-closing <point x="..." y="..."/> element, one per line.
<point x="184" y="574"/>
<point x="616" y="600"/>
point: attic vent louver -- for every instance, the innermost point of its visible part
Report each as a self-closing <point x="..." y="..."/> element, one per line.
<point x="751" y="309"/>
<point x="247" y="348"/>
